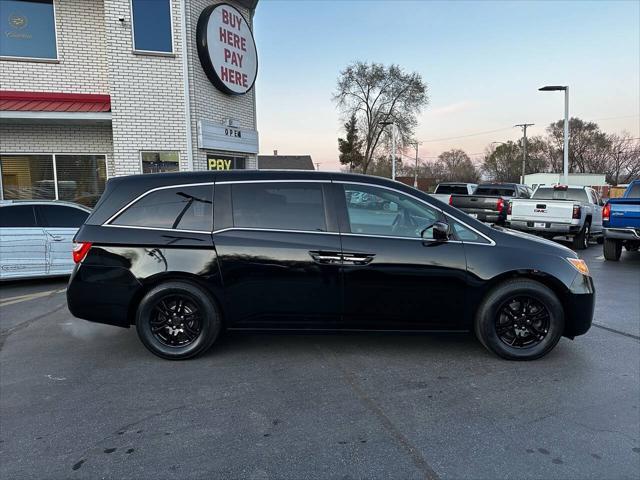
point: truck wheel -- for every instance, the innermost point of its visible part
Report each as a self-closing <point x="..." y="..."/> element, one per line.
<point x="520" y="319"/>
<point x="581" y="240"/>
<point x="612" y="249"/>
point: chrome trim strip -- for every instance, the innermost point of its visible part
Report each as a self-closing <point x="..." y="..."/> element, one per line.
<point x="139" y="197"/>
<point x="492" y="243"/>
<point x="176" y="230"/>
<point x="275" y="230"/>
<point x="293" y="180"/>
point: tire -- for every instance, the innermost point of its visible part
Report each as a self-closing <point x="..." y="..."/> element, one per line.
<point x="504" y="296"/>
<point x="612" y="249"/>
<point x="581" y="240"/>
<point x="174" y="330"/>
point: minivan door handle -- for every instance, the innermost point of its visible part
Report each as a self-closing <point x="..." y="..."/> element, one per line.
<point x="357" y="258"/>
<point x="326" y="257"/>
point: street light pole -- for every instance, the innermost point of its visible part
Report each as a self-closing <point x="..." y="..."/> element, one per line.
<point x="566" y="136"/>
<point x="524" y="147"/>
<point x="565" y="156"/>
<point x="415" y="173"/>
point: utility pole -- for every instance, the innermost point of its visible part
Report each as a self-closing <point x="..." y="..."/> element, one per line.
<point x="524" y="146"/>
<point x="415" y="178"/>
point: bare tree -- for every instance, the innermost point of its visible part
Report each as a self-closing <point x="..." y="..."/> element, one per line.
<point x="376" y="94"/>
<point x="623" y="159"/>
<point x="455" y="165"/>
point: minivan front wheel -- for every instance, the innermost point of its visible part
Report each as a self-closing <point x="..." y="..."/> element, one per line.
<point x="177" y="320"/>
<point x="520" y="320"/>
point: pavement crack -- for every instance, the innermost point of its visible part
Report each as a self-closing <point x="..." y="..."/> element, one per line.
<point x="4" y="334"/>
<point x="390" y="427"/>
<point x="619" y="332"/>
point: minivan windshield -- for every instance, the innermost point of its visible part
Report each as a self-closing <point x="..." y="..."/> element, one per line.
<point x="572" y="194"/>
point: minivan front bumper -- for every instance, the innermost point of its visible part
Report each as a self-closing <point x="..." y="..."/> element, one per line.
<point x="579" y="306"/>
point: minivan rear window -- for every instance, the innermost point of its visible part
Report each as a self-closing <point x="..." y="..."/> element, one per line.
<point x="283" y="206"/>
<point x="182" y="208"/>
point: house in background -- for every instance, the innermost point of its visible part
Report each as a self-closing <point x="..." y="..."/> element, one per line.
<point x="285" y="162"/>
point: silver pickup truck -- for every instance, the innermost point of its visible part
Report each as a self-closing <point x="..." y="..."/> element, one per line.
<point x="559" y="210"/>
<point x="444" y="190"/>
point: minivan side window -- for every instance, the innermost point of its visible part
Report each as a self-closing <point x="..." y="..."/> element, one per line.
<point x="61" y="217"/>
<point x="17" y="216"/>
<point x="181" y="208"/>
<point x="279" y="206"/>
<point x="378" y="211"/>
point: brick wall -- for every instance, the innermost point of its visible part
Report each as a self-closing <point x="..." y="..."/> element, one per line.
<point x="207" y="102"/>
<point x="147" y="97"/>
<point x="82" y="65"/>
<point x="95" y="139"/>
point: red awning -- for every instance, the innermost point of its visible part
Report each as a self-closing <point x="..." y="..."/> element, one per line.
<point x="53" y="102"/>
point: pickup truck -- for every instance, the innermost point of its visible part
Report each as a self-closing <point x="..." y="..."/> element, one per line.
<point x="444" y="190"/>
<point x="559" y="210"/>
<point x="621" y="221"/>
<point x="490" y="200"/>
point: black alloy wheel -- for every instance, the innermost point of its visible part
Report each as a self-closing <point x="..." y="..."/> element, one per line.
<point x="178" y="320"/>
<point x="520" y="319"/>
<point x="522" y="322"/>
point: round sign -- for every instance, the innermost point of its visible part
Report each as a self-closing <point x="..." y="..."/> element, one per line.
<point x="226" y="49"/>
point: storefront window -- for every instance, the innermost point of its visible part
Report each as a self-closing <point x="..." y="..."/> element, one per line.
<point x="28" y="29"/>
<point x="26" y="177"/>
<point x="81" y="178"/>
<point x="158" y="162"/>
<point x="151" y="26"/>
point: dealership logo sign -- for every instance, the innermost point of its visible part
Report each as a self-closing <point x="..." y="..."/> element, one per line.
<point x="227" y="49"/>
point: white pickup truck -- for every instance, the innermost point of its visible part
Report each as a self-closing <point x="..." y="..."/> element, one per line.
<point x="559" y="210"/>
<point x="444" y="190"/>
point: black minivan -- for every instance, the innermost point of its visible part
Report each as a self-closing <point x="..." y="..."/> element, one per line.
<point x="183" y="256"/>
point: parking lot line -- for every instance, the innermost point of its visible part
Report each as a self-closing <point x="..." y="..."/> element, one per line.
<point x="31" y="296"/>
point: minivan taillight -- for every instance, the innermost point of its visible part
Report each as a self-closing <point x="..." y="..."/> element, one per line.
<point x="606" y="212"/>
<point x="577" y="212"/>
<point x="80" y="251"/>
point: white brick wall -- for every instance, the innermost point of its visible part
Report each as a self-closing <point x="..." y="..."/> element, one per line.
<point x="207" y="102"/>
<point x="147" y="99"/>
<point x="95" y="53"/>
<point x="82" y="65"/>
<point x="96" y="139"/>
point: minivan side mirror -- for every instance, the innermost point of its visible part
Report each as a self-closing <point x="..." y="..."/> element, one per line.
<point x="441" y="231"/>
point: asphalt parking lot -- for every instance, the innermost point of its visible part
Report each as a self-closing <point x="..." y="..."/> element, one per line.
<point x="80" y="400"/>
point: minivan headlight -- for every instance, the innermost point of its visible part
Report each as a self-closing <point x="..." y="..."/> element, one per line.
<point x="580" y="265"/>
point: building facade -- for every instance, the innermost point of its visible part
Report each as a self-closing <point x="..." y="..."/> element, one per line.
<point x="101" y="88"/>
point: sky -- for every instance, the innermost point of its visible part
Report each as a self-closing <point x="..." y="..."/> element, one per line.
<point x="483" y="62"/>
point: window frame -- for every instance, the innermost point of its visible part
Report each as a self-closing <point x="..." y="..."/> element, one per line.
<point x="159" y="53"/>
<point x="343" y="215"/>
<point x="55" y="168"/>
<point x="158" y="151"/>
<point x="36" y="220"/>
<point x="41" y="218"/>
<point x="41" y="59"/>
<point x="327" y="195"/>
<point x="112" y="218"/>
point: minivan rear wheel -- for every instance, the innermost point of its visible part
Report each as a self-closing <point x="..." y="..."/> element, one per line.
<point x="177" y="320"/>
<point x="520" y="320"/>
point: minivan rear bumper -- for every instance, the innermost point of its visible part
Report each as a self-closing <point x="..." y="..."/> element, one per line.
<point x="102" y="294"/>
